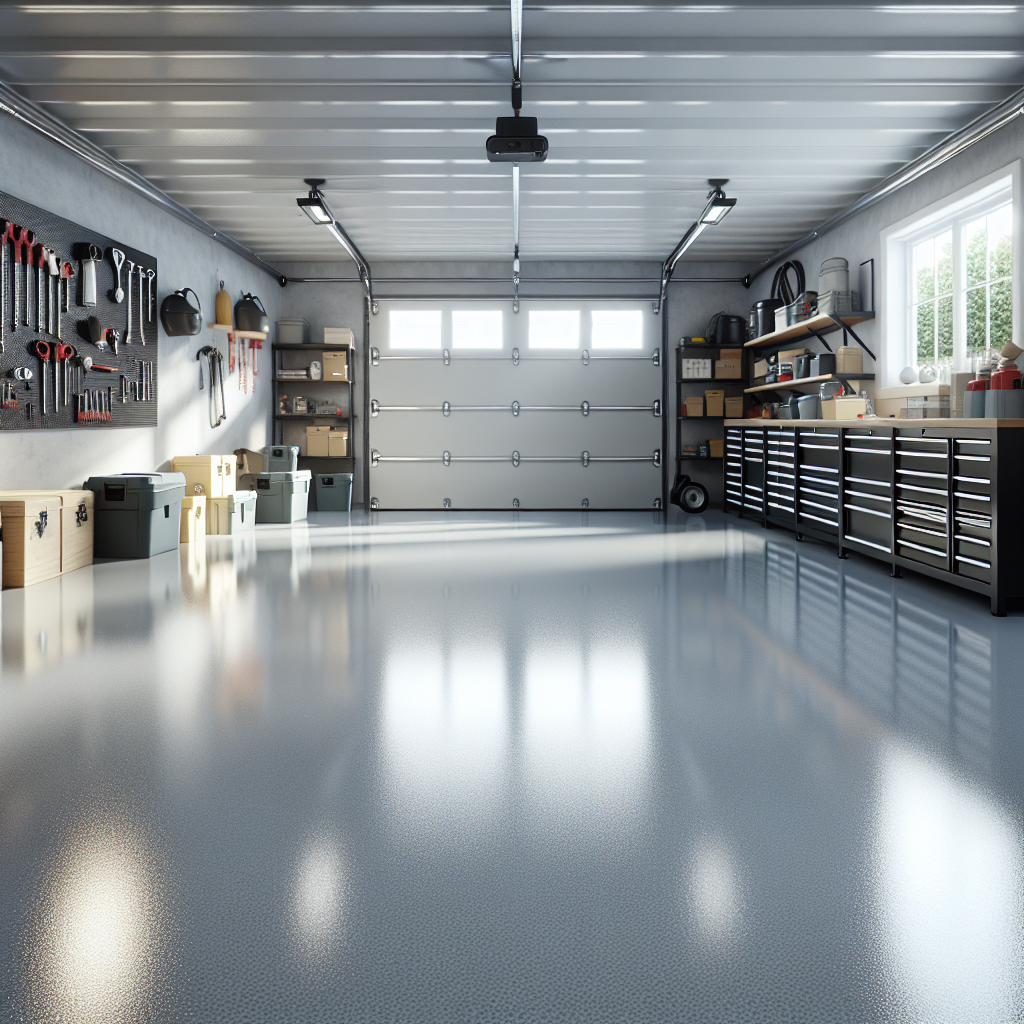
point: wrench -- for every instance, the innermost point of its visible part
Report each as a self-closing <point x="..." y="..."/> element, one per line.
<point x="22" y="239"/>
<point x="128" y="332"/>
<point x="150" y="274"/>
<point x="142" y="329"/>
<point x="53" y="292"/>
<point x="63" y="354"/>
<point x="43" y="351"/>
<point x="117" y="258"/>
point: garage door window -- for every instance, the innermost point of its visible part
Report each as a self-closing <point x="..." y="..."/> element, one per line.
<point x="415" y="329"/>
<point x="554" y="328"/>
<point x="617" y="328"/>
<point x="477" y="329"/>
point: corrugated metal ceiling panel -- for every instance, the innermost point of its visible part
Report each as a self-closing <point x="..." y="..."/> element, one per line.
<point x="228" y="106"/>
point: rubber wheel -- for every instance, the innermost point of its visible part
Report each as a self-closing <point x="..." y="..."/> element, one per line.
<point x="694" y="498"/>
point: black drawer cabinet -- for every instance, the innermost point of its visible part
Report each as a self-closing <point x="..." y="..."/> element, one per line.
<point x="918" y="497"/>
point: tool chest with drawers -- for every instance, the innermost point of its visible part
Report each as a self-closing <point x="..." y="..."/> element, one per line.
<point x="926" y="497"/>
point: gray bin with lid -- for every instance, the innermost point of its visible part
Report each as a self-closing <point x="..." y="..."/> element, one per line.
<point x="138" y="515"/>
<point x="282" y="497"/>
<point x="333" y="492"/>
<point x="280" y="458"/>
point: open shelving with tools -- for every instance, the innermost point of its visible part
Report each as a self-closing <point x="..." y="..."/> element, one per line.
<point x="683" y="424"/>
<point x="334" y="394"/>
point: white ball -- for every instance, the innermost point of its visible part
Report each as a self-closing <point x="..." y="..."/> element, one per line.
<point x="927" y="374"/>
<point x="908" y="375"/>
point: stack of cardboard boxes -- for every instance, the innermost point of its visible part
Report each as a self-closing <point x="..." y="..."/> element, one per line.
<point x="729" y="365"/>
<point x="326" y="442"/>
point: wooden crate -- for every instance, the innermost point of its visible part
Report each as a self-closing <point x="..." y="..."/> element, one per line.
<point x="32" y="542"/>
<point x="76" y="524"/>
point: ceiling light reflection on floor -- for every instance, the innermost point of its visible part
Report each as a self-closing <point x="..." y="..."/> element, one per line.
<point x="99" y="947"/>
<point x="318" y="898"/>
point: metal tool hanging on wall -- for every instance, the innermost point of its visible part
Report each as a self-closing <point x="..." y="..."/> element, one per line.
<point x="215" y="372"/>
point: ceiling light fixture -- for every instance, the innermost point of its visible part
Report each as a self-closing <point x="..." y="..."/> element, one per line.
<point x="714" y="212"/>
<point x="316" y="209"/>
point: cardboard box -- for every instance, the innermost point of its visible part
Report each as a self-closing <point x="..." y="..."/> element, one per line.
<point x="693" y="405"/>
<point x="730" y="353"/>
<point x="846" y="407"/>
<point x="734" y="408"/>
<point x="339" y="336"/>
<point x="337" y="443"/>
<point x="193" y="518"/>
<point x="761" y="368"/>
<point x="849" y="359"/>
<point x="714" y="400"/>
<point x="716" y="448"/>
<point x="336" y="366"/>
<point x="788" y="355"/>
<point x="728" y="369"/>
<point x="317" y="441"/>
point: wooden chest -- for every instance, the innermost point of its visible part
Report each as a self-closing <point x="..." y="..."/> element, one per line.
<point x="75" y="524"/>
<point x="31" y="526"/>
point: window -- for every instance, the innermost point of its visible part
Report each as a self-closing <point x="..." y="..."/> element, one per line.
<point x="476" y="328"/>
<point x="949" y="280"/>
<point x="415" y="328"/>
<point x="961" y="289"/>
<point x="616" y="328"/>
<point x="554" y="328"/>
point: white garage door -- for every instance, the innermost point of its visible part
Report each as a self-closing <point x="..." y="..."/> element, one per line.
<point x="473" y="406"/>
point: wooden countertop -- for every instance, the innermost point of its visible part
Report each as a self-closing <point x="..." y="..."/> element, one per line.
<point x="944" y="424"/>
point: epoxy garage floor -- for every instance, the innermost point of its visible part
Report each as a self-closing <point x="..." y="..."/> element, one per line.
<point x="560" y="768"/>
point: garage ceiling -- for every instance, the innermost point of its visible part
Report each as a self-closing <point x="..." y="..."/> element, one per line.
<point x="228" y="106"/>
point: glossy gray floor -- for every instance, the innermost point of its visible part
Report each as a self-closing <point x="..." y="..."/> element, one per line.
<point x="561" y="768"/>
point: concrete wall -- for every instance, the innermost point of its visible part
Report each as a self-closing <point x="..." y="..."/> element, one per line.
<point x="859" y="238"/>
<point x="39" y="172"/>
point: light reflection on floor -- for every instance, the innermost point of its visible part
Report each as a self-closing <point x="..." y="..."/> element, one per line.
<point x="512" y="768"/>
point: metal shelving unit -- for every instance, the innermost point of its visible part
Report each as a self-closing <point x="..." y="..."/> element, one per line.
<point x="324" y="463"/>
<point x="690" y="352"/>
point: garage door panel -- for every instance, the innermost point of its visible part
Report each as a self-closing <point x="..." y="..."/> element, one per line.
<point x="419" y="433"/>
<point x="499" y="382"/>
<point x="408" y="443"/>
<point x="496" y="485"/>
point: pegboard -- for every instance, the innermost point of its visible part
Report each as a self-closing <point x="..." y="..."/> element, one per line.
<point x="132" y="395"/>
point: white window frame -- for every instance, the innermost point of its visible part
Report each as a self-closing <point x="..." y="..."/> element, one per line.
<point x="898" y="240"/>
<point x="515" y="326"/>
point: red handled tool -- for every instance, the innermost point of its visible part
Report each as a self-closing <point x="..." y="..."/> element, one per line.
<point x="62" y="354"/>
<point x="22" y="239"/>
<point x="43" y="351"/>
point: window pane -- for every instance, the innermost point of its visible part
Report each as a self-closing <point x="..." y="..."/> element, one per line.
<point x="554" y="328"/>
<point x="977" y="313"/>
<point x="1000" y="240"/>
<point x="976" y="243"/>
<point x="945" y="329"/>
<point x="617" y="328"/>
<point x="944" y="267"/>
<point x="415" y="328"/>
<point x="924" y="270"/>
<point x="926" y="333"/>
<point x="476" y="328"/>
<point x="1000" y="314"/>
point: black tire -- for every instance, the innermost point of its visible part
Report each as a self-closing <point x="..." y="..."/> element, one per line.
<point x="694" y="498"/>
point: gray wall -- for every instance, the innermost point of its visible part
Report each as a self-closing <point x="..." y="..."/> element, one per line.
<point x="39" y="172"/>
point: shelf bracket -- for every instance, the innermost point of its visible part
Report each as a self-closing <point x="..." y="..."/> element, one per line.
<point x="847" y="329"/>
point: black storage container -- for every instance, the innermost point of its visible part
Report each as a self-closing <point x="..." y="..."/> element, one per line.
<point x="762" y="317"/>
<point x="725" y="329"/>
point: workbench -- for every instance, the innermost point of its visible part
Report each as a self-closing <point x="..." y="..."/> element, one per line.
<point x="917" y="494"/>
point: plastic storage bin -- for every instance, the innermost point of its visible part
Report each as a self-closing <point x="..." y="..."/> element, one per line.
<point x="280" y="458"/>
<point x="232" y="514"/>
<point x="138" y="515"/>
<point x="334" y="492"/>
<point x="282" y="497"/>
<point x="193" y="518"/>
<point x="292" y="332"/>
